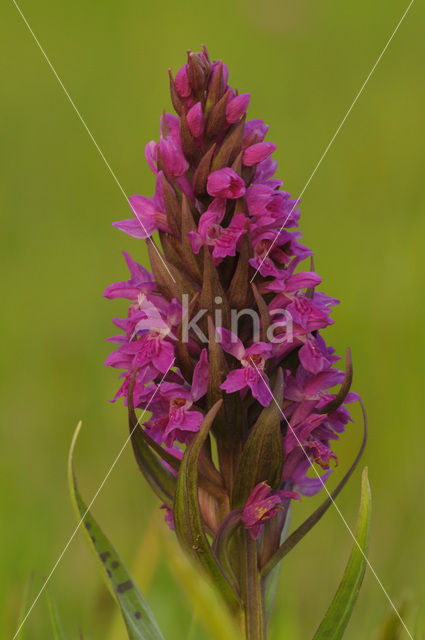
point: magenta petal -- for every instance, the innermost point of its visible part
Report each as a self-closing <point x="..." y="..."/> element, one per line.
<point x="170" y="122"/>
<point x="136" y="269"/>
<point x="118" y="359"/>
<point x="120" y="290"/>
<point x="182" y="82"/>
<point x="142" y="207"/>
<point x="192" y="421"/>
<point x="235" y="381"/>
<point x="310" y="486"/>
<point x="257" y="153"/>
<point x="195" y="240"/>
<point x="225" y="183"/>
<point x="165" y="357"/>
<point x="236" y="107"/>
<point x="135" y="228"/>
<point x="231" y="343"/>
<point x="195" y="120"/>
<point x="201" y="376"/>
<point x="303" y="280"/>
<point x="323" y="381"/>
<point x="172" y="156"/>
<point x="259" y="348"/>
<point x="260" y="507"/>
<point x="255" y="131"/>
<point x="151" y="155"/>
<point x="182" y="430"/>
<point x="260" y="389"/>
<point x="311" y="357"/>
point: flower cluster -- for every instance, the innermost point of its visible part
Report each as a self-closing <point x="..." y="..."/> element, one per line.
<point x="222" y="218"/>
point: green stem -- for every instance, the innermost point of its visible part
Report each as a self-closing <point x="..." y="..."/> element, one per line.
<point x="252" y="592"/>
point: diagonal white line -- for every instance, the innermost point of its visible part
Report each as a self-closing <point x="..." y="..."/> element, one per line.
<point x="333" y="502"/>
<point x="335" y="135"/>
<point x="90" y="505"/>
<point x="91" y="136"/>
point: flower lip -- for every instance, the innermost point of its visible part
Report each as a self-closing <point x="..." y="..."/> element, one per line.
<point x="255" y="360"/>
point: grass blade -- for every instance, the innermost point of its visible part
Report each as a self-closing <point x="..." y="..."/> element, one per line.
<point x="54" y="619"/>
<point x="336" y="619"/>
<point x="137" y="615"/>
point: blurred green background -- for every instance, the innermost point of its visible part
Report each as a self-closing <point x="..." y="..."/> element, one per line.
<point x="363" y="214"/>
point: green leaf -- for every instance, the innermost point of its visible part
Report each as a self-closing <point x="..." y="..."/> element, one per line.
<point x="201" y="595"/>
<point x="262" y="456"/>
<point x="221" y="542"/>
<point x="54" y="619"/>
<point x="187" y="516"/>
<point x="392" y="627"/>
<point x="161" y="481"/>
<point x="336" y="619"/>
<point x="149" y="455"/>
<point x="137" y="615"/>
<point x="271" y="580"/>
<point x="144" y="567"/>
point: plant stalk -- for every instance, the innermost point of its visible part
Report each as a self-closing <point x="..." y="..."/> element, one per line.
<point x="252" y="593"/>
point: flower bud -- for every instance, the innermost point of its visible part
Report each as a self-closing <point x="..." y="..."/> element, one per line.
<point x="195" y="120"/>
<point x="236" y="107"/>
<point x="225" y="183"/>
<point x="197" y="71"/>
<point x="256" y="153"/>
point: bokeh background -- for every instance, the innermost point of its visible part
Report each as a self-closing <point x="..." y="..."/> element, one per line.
<point x="363" y="214"/>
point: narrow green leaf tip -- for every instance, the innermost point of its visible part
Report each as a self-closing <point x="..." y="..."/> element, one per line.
<point x="336" y="619"/>
<point x="187" y="516"/>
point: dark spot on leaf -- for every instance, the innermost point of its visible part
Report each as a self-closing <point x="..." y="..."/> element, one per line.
<point x="93" y="539"/>
<point x="87" y="524"/>
<point x="104" y="556"/>
<point x="109" y="573"/>
<point x="124" y="586"/>
<point x="138" y="615"/>
<point x="115" y="564"/>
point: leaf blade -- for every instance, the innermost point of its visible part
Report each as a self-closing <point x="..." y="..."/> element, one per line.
<point x="137" y="615"/>
<point x="262" y="456"/>
<point x="336" y="618"/>
<point x="187" y="516"/>
<point x="54" y="619"/>
<point x="200" y="594"/>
